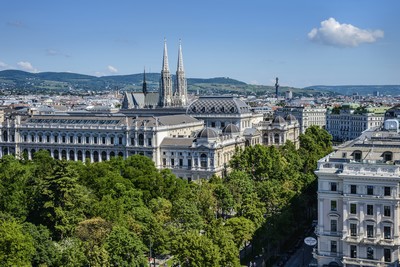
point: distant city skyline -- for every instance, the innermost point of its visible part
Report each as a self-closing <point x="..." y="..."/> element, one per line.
<point x="344" y="42"/>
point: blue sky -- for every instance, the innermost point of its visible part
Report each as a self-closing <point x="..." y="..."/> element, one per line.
<point x="302" y="42"/>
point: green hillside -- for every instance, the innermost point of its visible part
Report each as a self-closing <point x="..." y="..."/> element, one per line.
<point x="20" y="82"/>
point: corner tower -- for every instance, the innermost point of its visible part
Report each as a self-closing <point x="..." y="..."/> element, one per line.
<point x="181" y="83"/>
<point x="165" y="96"/>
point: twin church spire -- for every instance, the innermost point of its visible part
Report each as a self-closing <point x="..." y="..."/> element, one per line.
<point x="169" y="97"/>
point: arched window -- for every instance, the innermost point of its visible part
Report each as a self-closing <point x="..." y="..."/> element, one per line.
<point x="103" y="156"/>
<point x="32" y="152"/>
<point x="95" y="156"/>
<point x="357" y="155"/>
<point x="71" y="155"/>
<point x="203" y="160"/>
<point x="112" y="154"/>
<point x="5" y="151"/>
<point x="87" y="155"/>
<point x="276" y="139"/>
<point x="80" y="156"/>
<point x="387" y="156"/>
<point x="55" y="154"/>
<point x="141" y="139"/>
<point x="63" y="154"/>
<point x="265" y="139"/>
<point x="120" y="154"/>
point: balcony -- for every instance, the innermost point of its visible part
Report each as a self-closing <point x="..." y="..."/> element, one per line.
<point x="363" y="262"/>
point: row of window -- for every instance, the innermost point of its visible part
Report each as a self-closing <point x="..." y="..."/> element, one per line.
<point x="370" y="189"/>
<point x="370" y="208"/>
<point x="387" y="252"/>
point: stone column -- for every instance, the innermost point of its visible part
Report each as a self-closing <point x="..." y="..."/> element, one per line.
<point x="321" y="216"/>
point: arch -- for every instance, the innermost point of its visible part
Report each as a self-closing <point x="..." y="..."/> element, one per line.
<point x="120" y="154"/>
<point x="56" y="154"/>
<point x="33" y="151"/>
<point x="276" y="138"/>
<point x="87" y="155"/>
<point x="63" y="154"/>
<point x="203" y="160"/>
<point x="95" y="156"/>
<point x="103" y="156"/>
<point x="71" y="155"/>
<point x="80" y="155"/>
<point x="112" y="154"/>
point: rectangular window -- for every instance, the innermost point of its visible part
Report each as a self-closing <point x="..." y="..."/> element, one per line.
<point x="56" y="139"/>
<point x="370" y="253"/>
<point x="48" y="138"/>
<point x="120" y="140"/>
<point x="387" y="254"/>
<point x="333" y="205"/>
<point x="353" y="189"/>
<point x="103" y="140"/>
<point x="370" y="209"/>
<point x="333" y="225"/>
<point x="63" y="139"/>
<point x="353" y="251"/>
<point x="111" y="140"/>
<point x="353" y="229"/>
<point x="87" y="140"/>
<point x="370" y="190"/>
<point x="387" y="191"/>
<point x="386" y="211"/>
<point x="181" y="162"/>
<point x="172" y="162"/>
<point x="370" y="230"/>
<point x="334" y="246"/>
<point x="40" y="139"/>
<point x="164" y="161"/>
<point x="79" y="139"/>
<point x="189" y="163"/>
<point x="149" y="141"/>
<point x="353" y="208"/>
<point x="71" y="139"/>
<point x="95" y="140"/>
<point x="334" y="187"/>
<point x="387" y="232"/>
<point x="132" y="141"/>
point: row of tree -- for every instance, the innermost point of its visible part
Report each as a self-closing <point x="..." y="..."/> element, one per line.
<point x="115" y="213"/>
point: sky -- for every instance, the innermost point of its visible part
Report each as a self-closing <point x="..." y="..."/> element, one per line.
<point x="303" y="42"/>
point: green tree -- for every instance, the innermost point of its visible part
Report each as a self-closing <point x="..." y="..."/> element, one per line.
<point x="192" y="249"/>
<point x="125" y="248"/>
<point x="242" y="230"/>
<point x="61" y="201"/>
<point x="46" y="253"/>
<point x="16" y="248"/>
<point x="71" y="253"/>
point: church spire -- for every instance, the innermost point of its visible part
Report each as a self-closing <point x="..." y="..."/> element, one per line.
<point x="180" y="59"/>
<point x="165" y="66"/>
<point x="165" y="92"/>
<point x="181" y="84"/>
<point x="144" y="88"/>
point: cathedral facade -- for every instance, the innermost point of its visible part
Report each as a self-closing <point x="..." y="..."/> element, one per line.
<point x="170" y="94"/>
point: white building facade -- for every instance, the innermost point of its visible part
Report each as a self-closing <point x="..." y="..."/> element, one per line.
<point x="358" y="202"/>
<point x="306" y="116"/>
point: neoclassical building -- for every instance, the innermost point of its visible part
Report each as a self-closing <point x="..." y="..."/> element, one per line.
<point x="178" y="142"/>
<point x="358" y="201"/>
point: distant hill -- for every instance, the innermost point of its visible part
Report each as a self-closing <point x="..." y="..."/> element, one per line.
<point x="20" y="82"/>
<point x="387" y="90"/>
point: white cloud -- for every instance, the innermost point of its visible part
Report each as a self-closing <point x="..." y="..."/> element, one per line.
<point x="333" y="33"/>
<point x="26" y="66"/>
<point x="4" y="66"/>
<point x="112" y="69"/>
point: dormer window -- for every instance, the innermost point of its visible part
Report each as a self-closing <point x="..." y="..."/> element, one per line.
<point x="387" y="156"/>
<point x="357" y="155"/>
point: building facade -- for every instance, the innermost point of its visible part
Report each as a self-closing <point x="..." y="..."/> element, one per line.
<point x="358" y="201"/>
<point x="306" y="116"/>
<point x="348" y="122"/>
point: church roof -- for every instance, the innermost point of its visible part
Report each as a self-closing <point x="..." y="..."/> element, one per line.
<point x="290" y="118"/>
<point x="279" y="119"/>
<point x="218" y="105"/>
